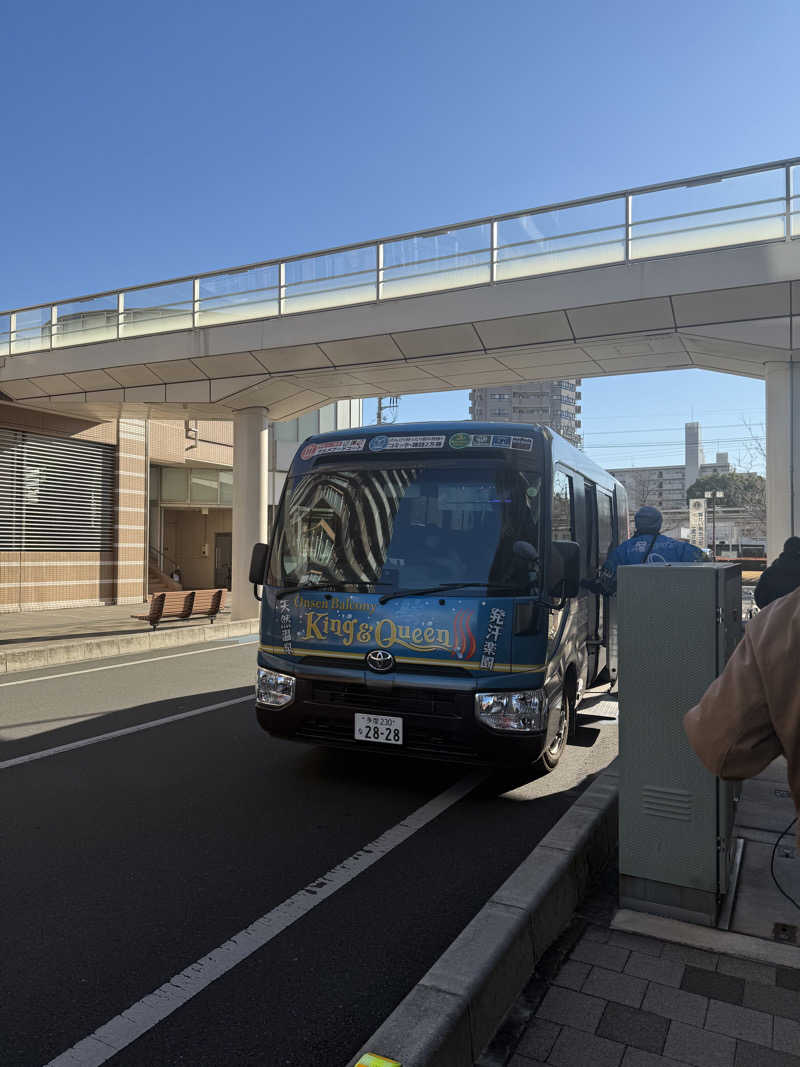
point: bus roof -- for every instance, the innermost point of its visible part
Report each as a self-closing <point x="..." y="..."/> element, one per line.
<point x="508" y="428"/>
<point x="561" y="448"/>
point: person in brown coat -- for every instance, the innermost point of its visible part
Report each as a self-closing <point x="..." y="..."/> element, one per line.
<point x="751" y="713"/>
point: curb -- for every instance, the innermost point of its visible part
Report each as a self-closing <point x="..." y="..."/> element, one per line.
<point x="708" y="938"/>
<point x="449" y="1017"/>
<point x="78" y="650"/>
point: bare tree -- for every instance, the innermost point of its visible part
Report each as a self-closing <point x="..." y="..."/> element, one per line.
<point x="755" y="450"/>
<point x="753" y="501"/>
<point x="754" y="494"/>
<point x="645" y="488"/>
<point x="642" y="487"/>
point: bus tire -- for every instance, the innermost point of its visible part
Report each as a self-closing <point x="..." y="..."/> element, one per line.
<point x="551" y="756"/>
<point x="572" y="709"/>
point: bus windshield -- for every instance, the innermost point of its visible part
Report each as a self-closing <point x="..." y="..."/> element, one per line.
<point x="408" y="527"/>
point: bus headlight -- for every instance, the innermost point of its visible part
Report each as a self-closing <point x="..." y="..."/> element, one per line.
<point x="522" y="712"/>
<point x="273" y="688"/>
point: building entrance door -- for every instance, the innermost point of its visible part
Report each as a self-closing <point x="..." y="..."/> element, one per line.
<point x="170" y="528"/>
<point x="222" y="560"/>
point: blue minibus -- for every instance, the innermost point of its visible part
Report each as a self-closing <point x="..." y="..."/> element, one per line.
<point x="422" y="592"/>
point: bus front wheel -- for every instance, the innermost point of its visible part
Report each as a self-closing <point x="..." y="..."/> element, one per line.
<point x="552" y="754"/>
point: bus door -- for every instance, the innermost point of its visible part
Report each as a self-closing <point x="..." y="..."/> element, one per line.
<point x="563" y="528"/>
<point x="606" y="541"/>
<point x="594" y="559"/>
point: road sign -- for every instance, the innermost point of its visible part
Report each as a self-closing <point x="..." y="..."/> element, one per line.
<point x="697" y="522"/>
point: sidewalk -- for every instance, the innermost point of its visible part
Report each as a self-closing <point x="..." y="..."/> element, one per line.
<point x="694" y="995"/>
<point x="605" y="998"/>
<point x="21" y="628"/>
<point x="34" y="639"/>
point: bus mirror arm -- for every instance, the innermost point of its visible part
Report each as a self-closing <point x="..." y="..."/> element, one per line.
<point x="525" y="551"/>
<point x="560" y="603"/>
<point x="258" y="565"/>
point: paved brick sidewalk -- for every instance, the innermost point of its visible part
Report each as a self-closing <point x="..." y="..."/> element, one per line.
<point x="605" y="998"/>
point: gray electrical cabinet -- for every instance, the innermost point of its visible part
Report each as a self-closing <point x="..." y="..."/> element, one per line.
<point x="678" y="624"/>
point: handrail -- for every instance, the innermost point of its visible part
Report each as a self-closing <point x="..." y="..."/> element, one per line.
<point x="159" y="559"/>
<point x="486" y="253"/>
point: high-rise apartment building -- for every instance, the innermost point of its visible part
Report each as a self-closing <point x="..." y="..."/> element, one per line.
<point x="555" y="404"/>
<point x="693" y="453"/>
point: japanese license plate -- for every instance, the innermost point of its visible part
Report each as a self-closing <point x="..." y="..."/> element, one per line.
<point x="385" y="728"/>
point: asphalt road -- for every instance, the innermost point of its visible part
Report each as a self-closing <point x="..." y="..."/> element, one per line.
<point x="125" y="860"/>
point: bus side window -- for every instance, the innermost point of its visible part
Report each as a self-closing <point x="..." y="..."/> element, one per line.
<point x="605" y="525"/>
<point x="590" y="503"/>
<point x="621" y="528"/>
<point x="563" y="515"/>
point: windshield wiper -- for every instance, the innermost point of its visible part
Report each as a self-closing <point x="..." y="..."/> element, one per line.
<point x="443" y="589"/>
<point x="329" y="586"/>
<point x="287" y="589"/>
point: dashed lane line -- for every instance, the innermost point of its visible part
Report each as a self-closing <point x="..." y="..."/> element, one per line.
<point x="146" y="1013"/>
<point x="151" y="725"/>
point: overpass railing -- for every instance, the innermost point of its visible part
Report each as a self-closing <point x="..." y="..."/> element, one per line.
<point x="737" y="207"/>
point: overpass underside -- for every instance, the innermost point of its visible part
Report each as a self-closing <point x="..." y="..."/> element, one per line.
<point x="733" y="310"/>
<point x="701" y="274"/>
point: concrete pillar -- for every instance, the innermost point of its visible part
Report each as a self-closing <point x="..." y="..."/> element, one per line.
<point x="131" y="509"/>
<point x="250" y="500"/>
<point x="783" y="454"/>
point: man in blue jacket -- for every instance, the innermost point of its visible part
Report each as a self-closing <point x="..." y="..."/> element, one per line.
<point x="647" y="545"/>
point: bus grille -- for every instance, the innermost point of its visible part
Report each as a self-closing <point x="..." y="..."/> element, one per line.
<point x="400" y="700"/>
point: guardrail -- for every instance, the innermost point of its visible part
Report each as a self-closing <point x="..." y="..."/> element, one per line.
<point x="735" y="207"/>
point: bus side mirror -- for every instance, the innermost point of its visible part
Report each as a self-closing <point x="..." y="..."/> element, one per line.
<point x="565" y="569"/>
<point x="258" y="564"/>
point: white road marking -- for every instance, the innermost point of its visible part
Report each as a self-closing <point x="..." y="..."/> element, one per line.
<point x="133" y="663"/>
<point x="146" y="1013"/>
<point x="45" y="752"/>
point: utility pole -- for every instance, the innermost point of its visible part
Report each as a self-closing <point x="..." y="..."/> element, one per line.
<point x="387" y="409"/>
<point x="714" y="496"/>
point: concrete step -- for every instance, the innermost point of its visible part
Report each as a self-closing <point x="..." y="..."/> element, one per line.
<point x="158" y="582"/>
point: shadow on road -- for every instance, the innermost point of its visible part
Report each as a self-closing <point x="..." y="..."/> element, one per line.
<point x="585" y="736"/>
<point x="96" y="723"/>
<point x="68" y="636"/>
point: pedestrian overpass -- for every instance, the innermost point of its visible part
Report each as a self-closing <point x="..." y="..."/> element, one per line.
<point x="701" y="272"/>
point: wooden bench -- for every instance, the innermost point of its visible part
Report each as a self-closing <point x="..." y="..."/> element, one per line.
<point x="184" y="605"/>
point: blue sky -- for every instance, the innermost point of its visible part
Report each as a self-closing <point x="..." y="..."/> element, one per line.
<point x="158" y="140"/>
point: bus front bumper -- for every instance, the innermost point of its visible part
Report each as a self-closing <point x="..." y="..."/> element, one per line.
<point x="438" y="723"/>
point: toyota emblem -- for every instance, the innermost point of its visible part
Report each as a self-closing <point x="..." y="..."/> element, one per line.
<point x="379" y="660"/>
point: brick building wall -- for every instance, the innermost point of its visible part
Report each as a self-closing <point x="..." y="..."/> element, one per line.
<point x="198" y="442"/>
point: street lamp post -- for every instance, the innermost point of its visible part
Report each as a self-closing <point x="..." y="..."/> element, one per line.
<point x="714" y="496"/>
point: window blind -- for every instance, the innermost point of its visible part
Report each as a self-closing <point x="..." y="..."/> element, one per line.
<point x="56" y="493"/>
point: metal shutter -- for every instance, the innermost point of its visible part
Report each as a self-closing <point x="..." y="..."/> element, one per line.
<point x="10" y="497"/>
<point x="56" y="493"/>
